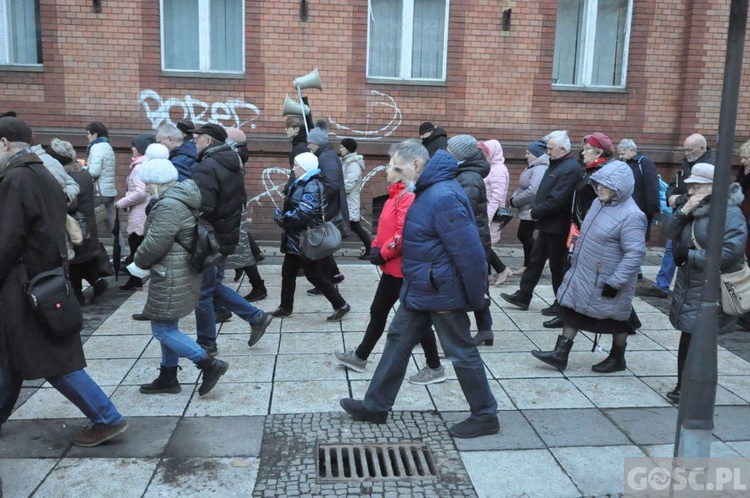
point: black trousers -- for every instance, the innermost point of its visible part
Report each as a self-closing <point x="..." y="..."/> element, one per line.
<point x="682" y="353"/>
<point x="547" y="246"/>
<point x="495" y="263"/>
<point x="363" y="234"/>
<point x="314" y="274"/>
<point x="386" y="296"/>
<point x="525" y="235"/>
<point x="329" y="268"/>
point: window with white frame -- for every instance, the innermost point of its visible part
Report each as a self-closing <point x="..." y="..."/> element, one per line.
<point x="408" y="39"/>
<point x="203" y="35"/>
<point x="591" y="43"/>
<point x="20" y="33"/>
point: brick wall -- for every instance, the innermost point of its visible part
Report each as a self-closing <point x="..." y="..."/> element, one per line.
<point x="107" y="67"/>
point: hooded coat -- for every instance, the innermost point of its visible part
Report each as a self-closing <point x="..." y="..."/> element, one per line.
<point x="83" y="210"/>
<point x="528" y="184"/>
<point x="184" y="159"/>
<point x="28" y="232"/>
<point x="353" y="165"/>
<point x="496" y="183"/>
<point x="219" y="176"/>
<point x="136" y="198"/>
<point x="444" y="261"/>
<point x="170" y="227"/>
<point x="683" y="312"/>
<point x="471" y="174"/>
<point x="609" y="251"/>
<point x="437" y="141"/>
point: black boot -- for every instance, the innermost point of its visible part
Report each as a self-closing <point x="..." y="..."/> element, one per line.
<point x="559" y="357"/>
<point x="132" y="283"/>
<point x="615" y="362"/>
<point x="212" y="369"/>
<point x="166" y="382"/>
<point x="237" y="274"/>
<point x="485" y="337"/>
<point x="259" y="285"/>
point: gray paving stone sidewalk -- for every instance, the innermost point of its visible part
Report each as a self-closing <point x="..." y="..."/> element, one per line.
<point x="257" y="434"/>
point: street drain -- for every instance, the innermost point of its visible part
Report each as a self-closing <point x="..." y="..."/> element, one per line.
<point x="374" y="461"/>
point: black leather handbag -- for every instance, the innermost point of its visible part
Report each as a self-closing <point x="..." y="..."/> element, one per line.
<point x="503" y="215"/>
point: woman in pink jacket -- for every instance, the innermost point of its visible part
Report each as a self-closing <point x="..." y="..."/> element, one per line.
<point x="136" y="198"/>
<point x="497" y="190"/>
<point x="386" y="253"/>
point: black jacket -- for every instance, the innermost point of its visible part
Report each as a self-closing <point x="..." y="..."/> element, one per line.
<point x="219" y="176"/>
<point x="646" y="190"/>
<point x="470" y="175"/>
<point x="302" y="209"/>
<point x="677" y="186"/>
<point x="438" y="140"/>
<point x="554" y="198"/>
<point x="299" y="145"/>
<point x="333" y="180"/>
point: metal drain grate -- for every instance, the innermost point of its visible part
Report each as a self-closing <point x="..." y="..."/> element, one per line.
<point x="375" y="461"/>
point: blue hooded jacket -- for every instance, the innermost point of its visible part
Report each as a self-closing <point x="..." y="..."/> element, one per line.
<point x="445" y="264"/>
<point x="184" y="159"/>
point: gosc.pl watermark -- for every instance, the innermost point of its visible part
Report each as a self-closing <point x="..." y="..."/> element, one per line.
<point x="686" y="477"/>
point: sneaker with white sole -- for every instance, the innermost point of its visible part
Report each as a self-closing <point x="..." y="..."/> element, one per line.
<point x="350" y="360"/>
<point x="428" y="376"/>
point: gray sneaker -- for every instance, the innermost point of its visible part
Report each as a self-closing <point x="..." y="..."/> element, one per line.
<point x="349" y="360"/>
<point x="428" y="376"/>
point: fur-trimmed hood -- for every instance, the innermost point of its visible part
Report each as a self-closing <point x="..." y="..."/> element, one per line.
<point x="735" y="198"/>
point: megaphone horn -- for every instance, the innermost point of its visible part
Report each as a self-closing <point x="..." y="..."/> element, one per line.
<point x="291" y="106"/>
<point x="310" y="80"/>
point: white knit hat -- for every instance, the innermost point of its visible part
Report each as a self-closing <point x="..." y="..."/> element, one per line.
<point x="157" y="151"/>
<point x="158" y="171"/>
<point x="307" y="161"/>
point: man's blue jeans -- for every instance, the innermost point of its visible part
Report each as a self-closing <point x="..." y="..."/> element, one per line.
<point x="213" y="290"/>
<point x="452" y="329"/>
<point x="666" y="272"/>
<point x="77" y="386"/>
<point x="175" y="344"/>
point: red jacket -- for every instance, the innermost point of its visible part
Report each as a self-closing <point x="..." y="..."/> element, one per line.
<point x="390" y="228"/>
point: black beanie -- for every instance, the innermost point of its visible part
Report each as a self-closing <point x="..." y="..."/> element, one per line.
<point x="426" y="127"/>
<point x="349" y="144"/>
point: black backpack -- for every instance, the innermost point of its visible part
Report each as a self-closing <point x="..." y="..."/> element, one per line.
<point x="205" y="251"/>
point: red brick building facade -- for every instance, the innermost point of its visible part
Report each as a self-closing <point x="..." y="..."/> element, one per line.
<point x="498" y="62"/>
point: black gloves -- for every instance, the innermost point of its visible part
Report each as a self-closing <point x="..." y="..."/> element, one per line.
<point x="609" y="291"/>
<point x="375" y="257"/>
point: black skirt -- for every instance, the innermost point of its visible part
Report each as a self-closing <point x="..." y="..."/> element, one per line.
<point x="572" y="318"/>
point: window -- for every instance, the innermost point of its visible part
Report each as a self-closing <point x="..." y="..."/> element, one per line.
<point x="20" y="33"/>
<point x="407" y="39"/>
<point x="591" y="43"/>
<point x="203" y="35"/>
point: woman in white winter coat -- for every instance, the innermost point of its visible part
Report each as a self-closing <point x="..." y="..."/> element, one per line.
<point x="496" y="183"/>
<point x="353" y="165"/>
<point x="101" y="166"/>
<point x="525" y="195"/>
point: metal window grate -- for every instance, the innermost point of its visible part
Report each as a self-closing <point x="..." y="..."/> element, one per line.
<point x="375" y="461"/>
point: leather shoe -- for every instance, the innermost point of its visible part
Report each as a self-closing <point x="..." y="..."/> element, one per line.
<point x="555" y="323"/>
<point x="356" y="409"/>
<point x="339" y="313"/>
<point x="651" y="292"/>
<point x="140" y="317"/>
<point x="516" y="300"/>
<point x="280" y="312"/>
<point x="472" y="427"/>
<point x="553" y="310"/>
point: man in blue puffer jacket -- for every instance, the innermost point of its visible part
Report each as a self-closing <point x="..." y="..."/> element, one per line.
<point x="445" y="270"/>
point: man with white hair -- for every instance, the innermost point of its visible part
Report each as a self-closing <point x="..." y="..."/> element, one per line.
<point x="182" y="151"/>
<point x="646" y="189"/>
<point x="552" y="212"/>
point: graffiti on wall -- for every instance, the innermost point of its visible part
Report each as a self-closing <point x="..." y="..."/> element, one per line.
<point x="383" y="107"/>
<point x="233" y="112"/>
<point x="382" y="119"/>
<point x="274" y="179"/>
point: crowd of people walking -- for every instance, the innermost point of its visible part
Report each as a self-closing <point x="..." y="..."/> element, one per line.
<point x="587" y="217"/>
